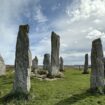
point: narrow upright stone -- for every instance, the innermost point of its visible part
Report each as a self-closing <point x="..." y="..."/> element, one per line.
<point x="2" y="66"/>
<point x="97" y="67"/>
<point x="61" y="64"/>
<point x="46" y="62"/>
<point x="55" y="46"/>
<point x="35" y="64"/>
<point x="22" y="62"/>
<point x="86" y="65"/>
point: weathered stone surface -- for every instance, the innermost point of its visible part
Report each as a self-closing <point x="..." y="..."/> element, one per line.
<point x="55" y="46"/>
<point x="2" y="66"/>
<point x="46" y="62"/>
<point x="35" y="64"/>
<point x="61" y="68"/>
<point x="23" y="61"/>
<point x="97" y="67"/>
<point x="86" y="65"/>
<point x="104" y="65"/>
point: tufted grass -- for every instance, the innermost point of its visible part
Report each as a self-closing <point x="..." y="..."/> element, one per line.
<point x="70" y="90"/>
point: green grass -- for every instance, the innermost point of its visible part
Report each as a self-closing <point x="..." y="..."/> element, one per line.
<point x="70" y="90"/>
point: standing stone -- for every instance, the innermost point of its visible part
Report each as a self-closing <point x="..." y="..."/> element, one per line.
<point x="30" y="58"/>
<point x="23" y="63"/>
<point x="79" y="67"/>
<point x="97" y="67"/>
<point x="2" y="66"/>
<point x="46" y="62"/>
<point x="61" y="64"/>
<point x="34" y="64"/>
<point x="55" y="46"/>
<point x="104" y="65"/>
<point x="104" y="69"/>
<point x="86" y="65"/>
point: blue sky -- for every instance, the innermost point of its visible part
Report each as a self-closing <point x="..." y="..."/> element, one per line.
<point x="78" y="22"/>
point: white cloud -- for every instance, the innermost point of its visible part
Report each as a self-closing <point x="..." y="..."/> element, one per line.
<point x="97" y="21"/>
<point x="10" y="11"/>
<point x="10" y="19"/>
<point x="39" y="16"/>
<point x="43" y="46"/>
<point x="55" y="7"/>
<point x="94" y="34"/>
<point x="88" y="8"/>
<point x="83" y="23"/>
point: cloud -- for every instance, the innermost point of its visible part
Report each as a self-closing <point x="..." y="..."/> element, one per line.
<point x="10" y="18"/>
<point x="78" y="23"/>
<point x="82" y="23"/>
<point x="97" y="21"/>
<point x="39" y="16"/>
<point x="8" y="32"/>
<point x="94" y="34"/>
<point x="88" y="8"/>
<point x="55" y="7"/>
<point x="13" y="14"/>
<point x="43" y="46"/>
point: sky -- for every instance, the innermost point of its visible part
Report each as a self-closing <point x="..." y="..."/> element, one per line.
<point x="77" y="22"/>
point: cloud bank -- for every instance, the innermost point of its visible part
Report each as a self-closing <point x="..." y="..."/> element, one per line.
<point x="78" y="22"/>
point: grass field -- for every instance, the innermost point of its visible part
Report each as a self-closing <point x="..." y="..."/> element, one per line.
<point x="70" y="90"/>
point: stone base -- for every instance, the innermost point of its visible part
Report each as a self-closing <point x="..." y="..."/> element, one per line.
<point x="58" y="75"/>
<point x="61" y="70"/>
<point x="85" y="73"/>
<point x="15" y="95"/>
<point x="97" y="90"/>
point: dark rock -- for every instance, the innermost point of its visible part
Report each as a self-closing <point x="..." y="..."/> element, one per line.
<point x="46" y="62"/>
<point x="61" y="64"/>
<point x="35" y="64"/>
<point x="86" y="65"/>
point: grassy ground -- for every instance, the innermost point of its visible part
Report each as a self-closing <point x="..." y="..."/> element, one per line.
<point x="70" y="90"/>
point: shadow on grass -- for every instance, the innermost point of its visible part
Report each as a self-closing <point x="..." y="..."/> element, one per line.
<point x="6" y="79"/>
<point x="6" y="82"/>
<point x="75" y="98"/>
<point x="14" y="96"/>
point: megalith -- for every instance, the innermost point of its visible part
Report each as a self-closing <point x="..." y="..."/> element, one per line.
<point x="2" y="66"/>
<point x="85" y="71"/>
<point x="46" y="62"/>
<point x="35" y="64"/>
<point x="23" y="62"/>
<point x="97" y="67"/>
<point x="61" y="64"/>
<point x="55" y="46"/>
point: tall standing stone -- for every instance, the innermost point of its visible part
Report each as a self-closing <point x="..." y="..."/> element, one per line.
<point x="46" y="62"/>
<point x="55" y="46"/>
<point x="61" y="68"/>
<point x="104" y="65"/>
<point x="97" y="67"/>
<point x="2" y="66"/>
<point x="23" y="63"/>
<point x="86" y="65"/>
<point x="35" y="64"/>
